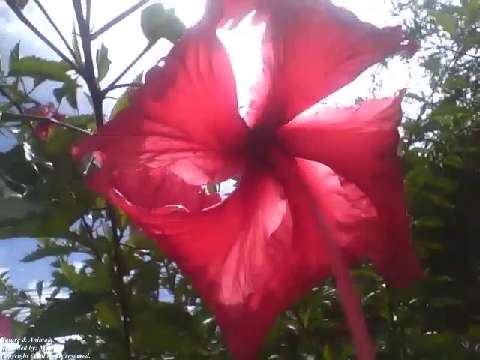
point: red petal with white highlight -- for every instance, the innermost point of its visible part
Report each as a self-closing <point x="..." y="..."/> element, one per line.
<point x="237" y="255"/>
<point x="360" y="145"/>
<point x="184" y="119"/>
<point x="313" y="48"/>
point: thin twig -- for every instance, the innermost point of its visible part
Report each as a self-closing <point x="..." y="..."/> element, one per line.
<point x="11" y="100"/>
<point x="122" y="74"/>
<point x="119" y="86"/>
<point x="22" y="18"/>
<point x="23" y="117"/>
<point x="24" y="88"/>
<point x="90" y="235"/>
<point x="118" y="18"/>
<point x="50" y="20"/>
<point x="69" y="126"/>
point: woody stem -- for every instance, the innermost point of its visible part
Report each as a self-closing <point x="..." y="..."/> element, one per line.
<point x="88" y="74"/>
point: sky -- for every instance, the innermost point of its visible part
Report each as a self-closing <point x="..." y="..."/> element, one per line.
<point x="126" y="40"/>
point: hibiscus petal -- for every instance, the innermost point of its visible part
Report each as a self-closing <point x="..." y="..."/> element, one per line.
<point x="223" y="11"/>
<point x="235" y="9"/>
<point x="5" y="326"/>
<point x="313" y="48"/>
<point x="145" y="189"/>
<point x="360" y="144"/>
<point x="183" y="119"/>
<point x="237" y="256"/>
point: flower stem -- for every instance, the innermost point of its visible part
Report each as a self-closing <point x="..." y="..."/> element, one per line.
<point x="348" y="295"/>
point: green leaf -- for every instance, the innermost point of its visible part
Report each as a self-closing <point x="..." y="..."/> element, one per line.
<point x="49" y="250"/>
<point x="96" y="283"/>
<point x="39" y="288"/>
<point x="14" y="208"/>
<point x="14" y="54"/>
<point x="122" y="103"/>
<point x="443" y="302"/>
<point x="159" y="23"/>
<point x="36" y="67"/>
<point x="473" y="11"/>
<point x="124" y="100"/>
<point x="76" y="47"/>
<point x="429" y="221"/>
<point x="109" y="314"/>
<point x="433" y="64"/>
<point x="446" y="20"/>
<point x="16" y="95"/>
<point x="75" y="347"/>
<point x="17" y="173"/>
<point x="103" y="62"/>
<point x="472" y="40"/>
<point x="20" y="4"/>
<point x="68" y="91"/>
<point x="171" y="327"/>
<point x="61" y="317"/>
<point x="327" y="353"/>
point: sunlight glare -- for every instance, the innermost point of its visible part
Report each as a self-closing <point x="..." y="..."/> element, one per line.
<point x="190" y="12"/>
<point x="244" y="47"/>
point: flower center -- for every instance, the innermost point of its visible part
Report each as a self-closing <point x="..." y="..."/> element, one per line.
<point x="260" y="140"/>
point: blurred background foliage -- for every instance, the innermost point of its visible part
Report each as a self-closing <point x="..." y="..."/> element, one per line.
<point x="127" y="300"/>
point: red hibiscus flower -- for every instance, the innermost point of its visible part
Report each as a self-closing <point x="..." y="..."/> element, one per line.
<point x="5" y="326"/>
<point x="317" y="192"/>
<point x="43" y="128"/>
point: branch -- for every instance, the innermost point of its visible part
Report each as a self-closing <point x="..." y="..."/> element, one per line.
<point x="88" y="72"/>
<point x="119" y="18"/>
<point x="119" y="86"/>
<point x="89" y="12"/>
<point x="88" y="75"/>
<point x="22" y="117"/>
<point x="50" y="20"/>
<point x="89" y="232"/>
<point x="117" y="79"/>
<point x="457" y="52"/>
<point x="22" y="18"/>
<point x="120" y="273"/>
